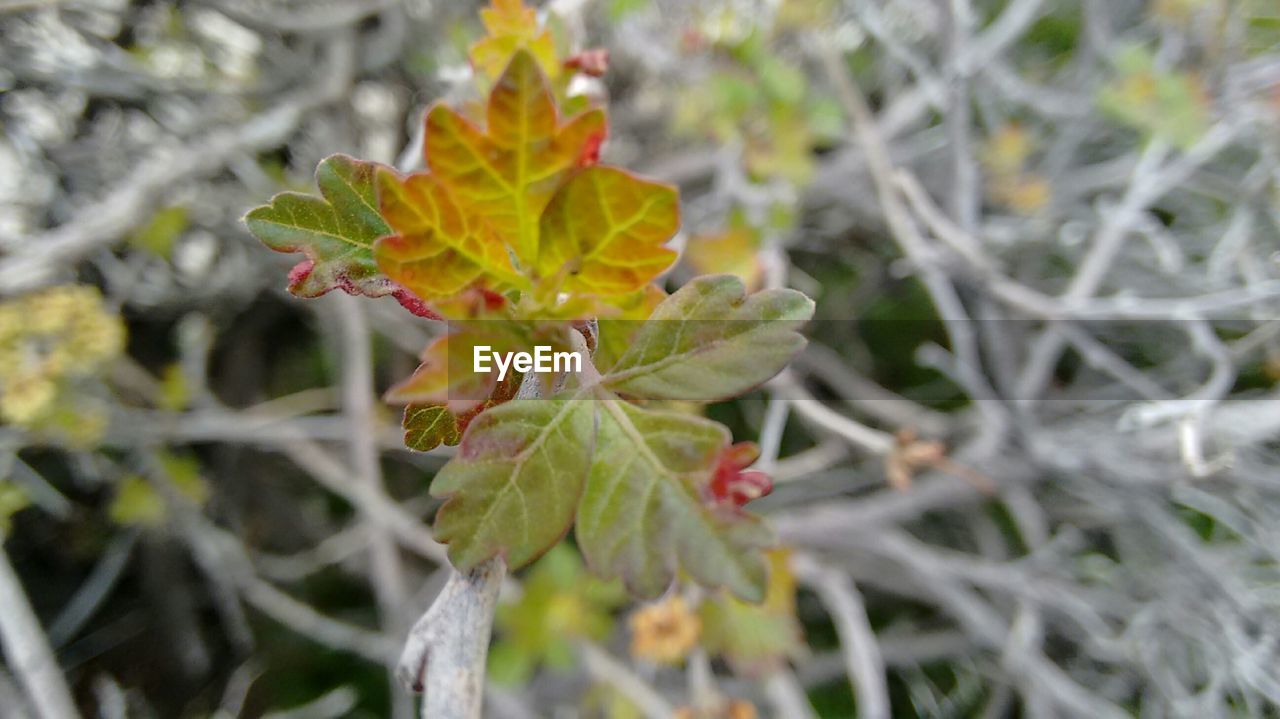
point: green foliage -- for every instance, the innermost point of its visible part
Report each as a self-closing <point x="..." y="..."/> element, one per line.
<point x="508" y="173"/>
<point x="517" y="236"/>
<point x="446" y="375"/>
<point x="1054" y="36"/>
<point x="1263" y="26"/>
<point x="756" y="637"/>
<point x="183" y="472"/>
<point x="165" y="227"/>
<point x="514" y="486"/>
<point x="619" y="9"/>
<point x="335" y="231"/>
<point x="427" y="426"/>
<point x="606" y="229"/>
<point x="638" y="479"/>
<point x="512" y="27"/>
<point x="560" y="603"/>
<point x="175" y="395"/>
<point x="137" y="504"/>
<point x="13" y="499"/>
<point x="710" y="341"/>
<point x="762" y="99"/>
<point x="646" y="505"/>
<point x="603" y="701"/>
<point x="1163" y="103"/>
<point x="734" y="250"/>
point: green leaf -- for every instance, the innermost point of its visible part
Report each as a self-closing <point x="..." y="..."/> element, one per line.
<point x="446" y="376"/>
<point x="559" y="603"/>
<point x="137" y="504"/>
<point x="646" y="510"/>
<point x="783" y="82"/>
<point x="1263" y="26"/>
<point x="619" y="9"/>
<point x="175" y="395"/>
<point x="756" y="637"/>
<point x="514" y="485"/>
<point x="710" y="341"/>
<point x="335" y="231"/>
<point x="183" y="472"/>
<point x="509" y="665"/>
<point x="615" y="334"/>
<point x="1172" y="105"/>
<point x="165" y="227"/>
<point x="429" y="426"/>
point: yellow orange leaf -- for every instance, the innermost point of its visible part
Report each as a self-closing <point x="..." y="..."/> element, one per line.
<point x="447" y="374"/>
<point x="608" y="228"/>
<point x="509" y="171"/>
<point x="512" y="27"/>
<point x="438" y="249"/>
<point x="734" y="251"/>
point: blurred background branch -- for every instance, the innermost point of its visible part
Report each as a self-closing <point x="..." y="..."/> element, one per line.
<point x="1027" y="467"/>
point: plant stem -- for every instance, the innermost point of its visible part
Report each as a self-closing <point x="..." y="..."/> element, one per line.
<point x="446" y="650"/>
<point x="445" y="653"/>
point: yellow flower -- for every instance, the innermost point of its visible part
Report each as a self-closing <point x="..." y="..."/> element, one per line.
<point x="48" y="339"/>
<point x="27" y="399"/>
<point x="1007" y="151"/>
<point x="1026" y="194"/>
<point x="11" y="324"/>
<point x="664" y="632"/>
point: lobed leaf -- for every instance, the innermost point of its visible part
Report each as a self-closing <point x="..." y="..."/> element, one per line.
<point x="514" y="485"/>
<point x="512" y="27"/>
<point x="645" y="508"/>
<point x="508" y="172"/>
<point x="515" y="220"/>
<point x="710" y="340"/>
<point x="607" y="228"/>
<point x="615" y="333"/>
<point x="444" y="377"/>
<point x="427" y="426"/>
<point x="335" y="231"/>
<point x="447" y="374"/>
<point x="439" y="248"/>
